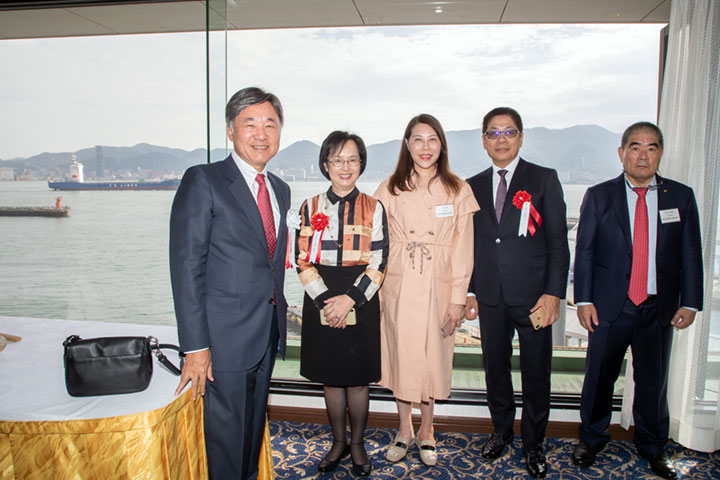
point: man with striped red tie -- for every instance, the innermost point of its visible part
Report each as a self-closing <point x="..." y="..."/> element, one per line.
<point x="638" y="274"/>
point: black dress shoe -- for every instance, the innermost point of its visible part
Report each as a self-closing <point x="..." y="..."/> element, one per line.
<point x="495" y="446"/>
<point x="584" y="454"/>
<point x="661" y="465"/>
<point x="326" y="465"/>
<point x="535" y="463"/>
<point x="362" y="469"/>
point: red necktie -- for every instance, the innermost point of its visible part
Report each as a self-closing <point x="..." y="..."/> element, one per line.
<point x="639" y="276"/>
<point x="266" y="213"/>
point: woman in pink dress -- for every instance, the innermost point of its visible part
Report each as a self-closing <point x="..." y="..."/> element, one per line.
<point x="430" y="213"/>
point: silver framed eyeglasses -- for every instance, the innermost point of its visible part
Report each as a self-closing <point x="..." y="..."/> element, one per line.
<point x="338" y="162"/>
<point x="495" y="134"/>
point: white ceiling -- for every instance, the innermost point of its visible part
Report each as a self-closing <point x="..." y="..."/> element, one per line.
<point x="183" y="16"/>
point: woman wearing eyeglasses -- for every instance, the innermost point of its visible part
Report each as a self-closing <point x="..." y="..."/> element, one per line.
<point x="430" y="213"/>
<point x="342" y="250"/>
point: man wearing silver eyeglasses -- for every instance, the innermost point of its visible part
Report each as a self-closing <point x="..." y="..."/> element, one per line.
<point x="519" y="277"/>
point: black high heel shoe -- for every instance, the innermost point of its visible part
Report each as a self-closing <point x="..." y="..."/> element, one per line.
<point x="329" y="465"/>
<point x="362" y="469"/>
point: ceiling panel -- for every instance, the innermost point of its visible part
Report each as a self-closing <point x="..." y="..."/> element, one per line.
<point x="421" y="12"/>
<point x="584" y="11"/>
<point x="660" y="15"/>
<point x="246" y="14"/>
<point x="182" y="16"/>
<point x="149" y="17"/>
<point x="53" y="22"/>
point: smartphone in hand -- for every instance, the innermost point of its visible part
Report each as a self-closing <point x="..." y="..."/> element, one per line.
<point x="537" y="318"/>
<point x="447" y="328"/>
<point x="349" y="320"/>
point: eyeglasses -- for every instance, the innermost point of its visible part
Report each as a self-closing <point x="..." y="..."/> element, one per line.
<point x="495" y="134"/>
<point x="338" y="162"/>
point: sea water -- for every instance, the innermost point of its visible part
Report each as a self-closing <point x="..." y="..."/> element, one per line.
<point x="108" y="261"/>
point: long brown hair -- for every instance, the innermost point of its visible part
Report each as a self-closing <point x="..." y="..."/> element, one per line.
<point x="401" y="179"/>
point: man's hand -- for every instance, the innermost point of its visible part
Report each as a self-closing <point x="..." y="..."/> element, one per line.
<point x="197" y="369"/>
<point x="683" y="318"/>
<point x="587" y="314"/>
<point x="336" y="309"/>
<point x="471" y="307"/>
<point x="551" y="303"/>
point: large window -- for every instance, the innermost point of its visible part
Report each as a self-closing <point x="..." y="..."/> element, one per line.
<point x="143" y="100"/>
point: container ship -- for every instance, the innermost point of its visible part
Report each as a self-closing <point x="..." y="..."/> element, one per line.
<point x="77" y="182"/>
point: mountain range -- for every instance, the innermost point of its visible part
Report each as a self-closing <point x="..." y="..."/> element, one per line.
<point x="580" y="154"/>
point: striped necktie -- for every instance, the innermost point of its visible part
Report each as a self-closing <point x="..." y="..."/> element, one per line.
<point x="266" y="213"/>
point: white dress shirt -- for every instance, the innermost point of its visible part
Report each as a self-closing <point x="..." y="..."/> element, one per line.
<point x="651" y="201"/>
<point x="508" y="176"/>
<point x="249" y="174"/>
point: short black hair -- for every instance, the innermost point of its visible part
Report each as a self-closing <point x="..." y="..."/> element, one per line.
<point x="497" y="111"/>
<point x="637" y="126"/>
<point x="335" y="142"/>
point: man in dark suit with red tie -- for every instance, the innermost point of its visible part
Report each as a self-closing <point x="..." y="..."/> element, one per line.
<point x="228" y="240"/>
<point x="638" y="274"/>
<point x="521" y="266"/>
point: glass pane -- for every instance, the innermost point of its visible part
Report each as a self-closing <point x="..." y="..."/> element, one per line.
<point x="216" y="44"/>
<point x="370" y="81"/>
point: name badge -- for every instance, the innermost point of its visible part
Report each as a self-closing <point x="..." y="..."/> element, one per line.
<point x="670" y="215"/>
<point x="442" y="211"/>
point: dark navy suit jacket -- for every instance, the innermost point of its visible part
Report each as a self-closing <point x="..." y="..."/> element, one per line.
<point x="525" y="267"/>
<point x="223" y="279"/>
<point x="603" y="252"/>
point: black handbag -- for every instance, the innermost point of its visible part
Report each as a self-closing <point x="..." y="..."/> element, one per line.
<point x="112" y="365"/>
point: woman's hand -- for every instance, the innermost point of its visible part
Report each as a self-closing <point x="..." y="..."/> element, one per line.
<point x="453" y="318"/>
<point x="336" y="309"/>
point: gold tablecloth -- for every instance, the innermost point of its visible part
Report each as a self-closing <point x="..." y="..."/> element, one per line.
<point x="166" y="443"/>
<point x="46" y="434"/>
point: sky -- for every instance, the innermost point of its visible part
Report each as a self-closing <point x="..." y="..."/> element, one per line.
<point x="65" y="94"/>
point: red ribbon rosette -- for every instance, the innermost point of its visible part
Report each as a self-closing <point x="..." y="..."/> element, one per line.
<point x="319" y="222"/>
<point x="519" y="200"/>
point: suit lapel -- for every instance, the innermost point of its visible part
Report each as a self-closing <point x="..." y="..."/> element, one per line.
<point x="283" y="207"/>
<point x="240" y="190"/>
<point x="486" y="193"/>
<point x="664" y="197"/>
<point x="619" y="201"/>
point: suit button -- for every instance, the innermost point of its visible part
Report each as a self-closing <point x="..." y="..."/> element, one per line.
<point x="497" y="240"/>
<point x="627" y="276"/>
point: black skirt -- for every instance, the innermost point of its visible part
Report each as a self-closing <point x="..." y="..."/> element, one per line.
<point x="341" y="357"/>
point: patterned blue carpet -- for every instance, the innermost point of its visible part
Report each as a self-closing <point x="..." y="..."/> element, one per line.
<point x="298" y="447"/>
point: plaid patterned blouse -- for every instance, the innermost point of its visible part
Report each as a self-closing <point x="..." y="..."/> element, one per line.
<point x="356" y="234"/>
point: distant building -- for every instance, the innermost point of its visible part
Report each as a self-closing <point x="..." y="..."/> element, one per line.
<point x="7" y="174"/>
<point x="99" y="162"/>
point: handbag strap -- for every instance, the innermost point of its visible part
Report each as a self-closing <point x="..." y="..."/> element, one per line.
<point x="157" y="346"/>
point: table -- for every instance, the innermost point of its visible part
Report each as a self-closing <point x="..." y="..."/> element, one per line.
<point x="47" y="434"/>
